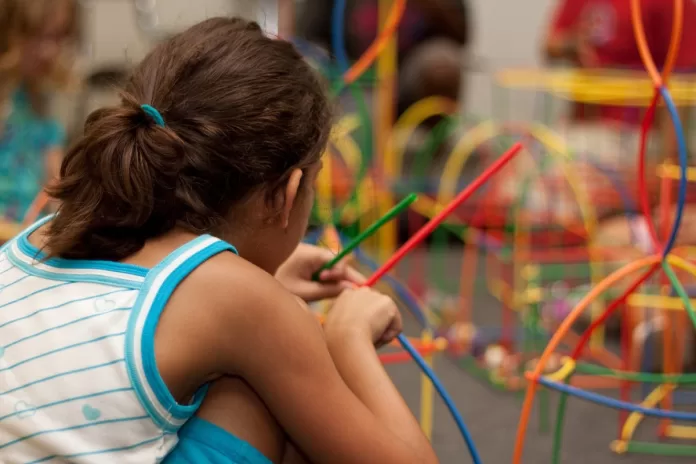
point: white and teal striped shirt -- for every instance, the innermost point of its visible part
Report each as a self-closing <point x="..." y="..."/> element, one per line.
<point x="78" y="379"/>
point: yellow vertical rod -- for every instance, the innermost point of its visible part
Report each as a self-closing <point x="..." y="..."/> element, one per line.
<point x="333" y="243"/>
<point x="427" y="398"/>
<point x="384" y="121"/>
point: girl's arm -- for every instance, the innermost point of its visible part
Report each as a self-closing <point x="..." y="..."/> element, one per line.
<point x="54" y="157"/>
<point x="327" y="389"/>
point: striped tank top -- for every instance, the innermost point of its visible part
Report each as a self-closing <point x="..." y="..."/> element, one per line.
<point x="78" y="378"/>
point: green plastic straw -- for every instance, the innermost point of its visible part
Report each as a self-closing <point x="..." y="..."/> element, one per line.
<point x="677" y="286"/>
<point x="391" y="214"/>
<point x="663" y="449"/>
<point x="679" y="379"/>
<point x="558" y="427"/>
<point x="666" y="449"/>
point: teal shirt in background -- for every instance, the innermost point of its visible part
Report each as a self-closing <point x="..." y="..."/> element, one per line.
<point x="25" y="138"/>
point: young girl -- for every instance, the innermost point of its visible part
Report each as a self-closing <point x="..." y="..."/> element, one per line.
<point x="156" y="279"/>
<point x="37" y="40"/>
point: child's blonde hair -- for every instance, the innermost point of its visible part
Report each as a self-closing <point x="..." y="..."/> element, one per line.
<point x="21" y="19"/>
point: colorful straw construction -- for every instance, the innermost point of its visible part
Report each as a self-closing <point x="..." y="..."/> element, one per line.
<point x="432" y="224"/>
<point x="517" y="260"/>
<point x="522" y="246"/>
<point x="664" y="260"/>
<point x="414" y="241"/>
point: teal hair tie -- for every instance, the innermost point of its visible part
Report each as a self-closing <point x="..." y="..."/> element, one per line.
<point x="154" y="114"/>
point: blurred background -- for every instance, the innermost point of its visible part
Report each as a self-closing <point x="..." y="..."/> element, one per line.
<point x="565" y="77"/>
<point x="506" y="34"/>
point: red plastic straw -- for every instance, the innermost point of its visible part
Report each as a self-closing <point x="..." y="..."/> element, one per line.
<point x="432" y="224"/>
<point x="404" y="356"/>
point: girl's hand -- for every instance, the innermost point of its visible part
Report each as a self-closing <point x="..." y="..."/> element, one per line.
<point x="363" y="313"/>
<point x="296" y="274"/>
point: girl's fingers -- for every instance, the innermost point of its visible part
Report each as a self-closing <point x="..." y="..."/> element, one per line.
<point x="353" y="275"/>
<point x="343" y="272"/>
<point x="324" y="291"/>
<point x="333" y="274"/>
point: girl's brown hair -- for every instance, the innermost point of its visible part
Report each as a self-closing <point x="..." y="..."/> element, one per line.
<point x="22" y="19"/>
<point x="241" y="111"/>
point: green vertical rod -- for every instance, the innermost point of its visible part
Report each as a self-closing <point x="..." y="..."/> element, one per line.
<point x="537" y="345"/>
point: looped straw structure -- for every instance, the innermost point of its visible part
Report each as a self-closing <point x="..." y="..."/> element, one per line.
<point x="369" y="193"/>
<point x="664" y="260"/>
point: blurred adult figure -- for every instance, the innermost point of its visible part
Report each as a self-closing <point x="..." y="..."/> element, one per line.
<point x="594" y="34"/>
<point x="432" y="38"/>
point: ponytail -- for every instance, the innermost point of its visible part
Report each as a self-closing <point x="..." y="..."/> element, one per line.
<point x="121" y="180"/>
<point x="239" y="111"/>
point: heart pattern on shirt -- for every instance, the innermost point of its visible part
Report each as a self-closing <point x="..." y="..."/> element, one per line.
<point x="90" y="413"/>
<point x="24" y="409"/>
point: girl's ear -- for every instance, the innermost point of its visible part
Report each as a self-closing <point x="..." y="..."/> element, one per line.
<point x="291" y="190"/>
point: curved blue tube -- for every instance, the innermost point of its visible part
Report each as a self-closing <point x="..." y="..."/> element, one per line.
<point x="616" y="404"/>
<point x="683" y="162"/>
<point x="338" y="33"/>
<point x="337" y="36"/>
<point x="339" y="48"/>
<point x="427" y="370"/>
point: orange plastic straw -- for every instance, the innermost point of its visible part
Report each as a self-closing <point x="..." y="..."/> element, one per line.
<point x="558" y="337"/>
<point x="404" y="356"/>
<point x="641" y="41"/>
<point x="286" y="18"/>
<point x="380" y="43"/>
<point x="644" y="49"/>
<point x="658" y="81"/>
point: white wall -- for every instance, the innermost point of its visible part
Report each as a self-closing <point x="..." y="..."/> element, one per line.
<point x="113" y="33"/>
<point x="507" y="34"/>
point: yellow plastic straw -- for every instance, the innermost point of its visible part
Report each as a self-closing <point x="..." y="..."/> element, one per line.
<point x="427" y="397"/>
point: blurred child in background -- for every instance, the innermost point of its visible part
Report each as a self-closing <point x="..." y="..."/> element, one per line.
<point x="432" y="40"/>
<point x="37" y="43"/>
<point x="432" y="36"/>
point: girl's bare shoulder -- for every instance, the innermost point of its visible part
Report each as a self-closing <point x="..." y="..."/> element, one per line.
<point x="218" y="311"/>
<point x="231" y="295"/>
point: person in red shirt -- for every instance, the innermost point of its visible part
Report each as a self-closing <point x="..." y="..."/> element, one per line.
<point x="599" y="34"/>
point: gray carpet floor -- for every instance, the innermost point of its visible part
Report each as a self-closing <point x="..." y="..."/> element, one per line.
<point x="492" y="416"/>
<point x="492" y="419"/>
